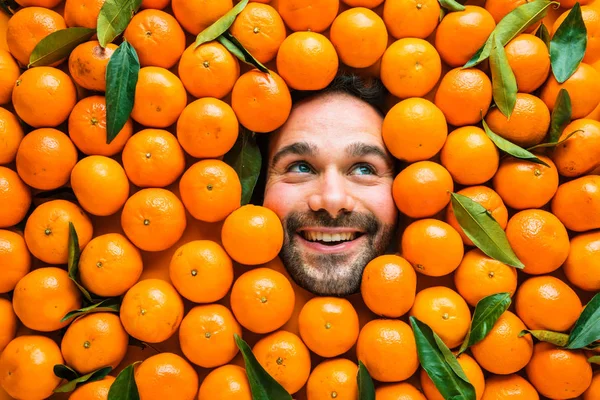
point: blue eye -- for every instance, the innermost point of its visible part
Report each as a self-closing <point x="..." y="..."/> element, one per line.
<point x="363" y="169"/>
<point x="300" y="168"/>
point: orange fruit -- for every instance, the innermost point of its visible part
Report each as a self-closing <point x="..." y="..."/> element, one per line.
<point x="411" y="19"/>
<point x="27" y="27"/>
<point x="208" y="70"/>
<point x="252" y="235"/>
<point x="14" y="259"/>
<point x="47" y="230"/>
<point x="155" y="4"/>
<point x="109" y="265"/>
<point x="151" y="311"/>
<point x="558" y="373"/>
<point x="594" y="390"/>
<point x="582" y="267"/>
<point x="87" y="128"/>
<point x="283" y="355"/>
<point x="422" y="189"/>
<point x="389" y="286"/>
<point x="83" y="13"/>
<point x="94" y="341"/>
<point x="398" y="391"/>
<point x="328" y="326"/>
<point x="153" y="219"/>
<point x="461" y="33"/>
<point x="43" y="297"/>
<point x="499" y="8"/>
<point x="577" y="155"/>
<point x="308" y="15"/>
<point x="100" y="185"/>
<point x="206" y="335"/>
<point x="262" y="300"/>
<point x="45" y="159"/>
<point x="166" y="375"/>
<point x="156" y="37"/>
<point x="433" y="247"/>
<point x="307" y="61"/>
<point x="11" y="135"/>
<point x="529" y="60"/>
<point x="363" y="3"/>
<point x="410" y="116"/>
<point x="159" y="98"/>
<point x="583" y="87"/>
<point x="470" y="368"/>
<point x="38" y="3"/>
<point x="260" y="29"/>
<point x="9" y="73"/>
<point x="97" y="390"/>
<point x="88" y="62"/>
<point x="9" y="323"/>
<point x="194" y="17"/>
<point x="547" y="303"/>
<point x="153" y="158"/>
<point x="577" y="203"/>
<point x="201" y="271"/>
<point x="359" y="36"/>
<point x="26" y="367"/>
<point x="445" y="312"/>
<point x="230" y="381"/>
<point x="15" y="197"/>
<point x="479" y="276"/>
<point x="262" y="102"/>
<point x="524" y="184"/>
<point x="388" y="349"/>
<point x="509" y="387"/>
<point x="207" y="128"/>
<point x="333" y="379"/>
<point x="464" y="95"/>
<point x="470" y="156"/>
<point x="539" y="240"/>
<point x="210" y="190"/>
<point x="486" y="197"/>
<point x="502" y="351"/>
<point x="44" y="96"/>
<point x="591" y="20"/>
<point x="410" y="67"/>
<point x="528" y="122"/>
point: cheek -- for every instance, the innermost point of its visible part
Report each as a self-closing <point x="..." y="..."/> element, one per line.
<point x="380" y="202"/>
<point x="283" y="198"/>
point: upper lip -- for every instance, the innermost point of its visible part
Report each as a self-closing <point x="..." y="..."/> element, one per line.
<point x="330" y="230"/>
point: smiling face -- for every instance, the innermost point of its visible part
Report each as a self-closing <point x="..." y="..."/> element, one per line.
<point x="330" y="182"/>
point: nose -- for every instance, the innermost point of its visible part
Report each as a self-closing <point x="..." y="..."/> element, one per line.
<point x="332" y="194"/>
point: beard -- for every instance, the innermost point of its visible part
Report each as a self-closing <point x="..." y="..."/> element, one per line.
<point x="333" y="274"/>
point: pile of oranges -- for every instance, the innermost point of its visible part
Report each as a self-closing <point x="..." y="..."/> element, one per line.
<point x="175" y="266"/>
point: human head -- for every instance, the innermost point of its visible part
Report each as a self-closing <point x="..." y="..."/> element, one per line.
<point x="328" y="173"/>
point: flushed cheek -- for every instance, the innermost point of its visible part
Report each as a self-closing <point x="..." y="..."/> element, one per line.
<point x="284" y="198"/>
<point x="379" y="201"/>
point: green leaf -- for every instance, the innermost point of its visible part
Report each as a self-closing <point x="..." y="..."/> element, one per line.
<point x="64" y="372"/>
<point x="451" y="5"/>
<point x="262" y="385"/>
<point x="511" y="148"/>
<point x="236" y="48"/>
<point x="366" y="388"/>
<point x="121" y="79"/>
<point x="433" y="361"/>
<point x="487" y="312"/>
<point x="556" y="338"/>
<point x="124" y="387"/>
<point x="568" y="44"/>
<point x="543" y="34"/>
<point x="504" y="82"/>
<point x="245" y="158"/>
<point x="543" y="145"/>
<point x="58" y="45"/>
<point x="97" y="375"/>
<point x="221" y="25"/>
<point x="73" y="261"/>
<point x="450" y="358"/>
<point x="483" y="230"/>
<point x="587" y="328"/>
<point x="594" y="359"/>
<point x="511" y="25"/>
<point x="561" y="115"/>
<point x="114" y="17"/>
<point x="108" y="305"/>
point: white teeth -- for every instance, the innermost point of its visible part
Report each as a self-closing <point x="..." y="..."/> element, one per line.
<point x="319" y="236"/>
<point x="328" y="237"/>
<point x="336" y="237"/>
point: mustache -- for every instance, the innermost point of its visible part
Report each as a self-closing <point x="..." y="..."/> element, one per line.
<point x="367" y="223"/>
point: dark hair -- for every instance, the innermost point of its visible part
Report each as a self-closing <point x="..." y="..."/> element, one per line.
<point x="369" y="90"/>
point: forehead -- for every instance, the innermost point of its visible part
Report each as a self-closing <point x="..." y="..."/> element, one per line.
<point x="330" y="121"/>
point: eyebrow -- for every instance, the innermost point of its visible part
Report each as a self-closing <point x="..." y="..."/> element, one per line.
<point x="359" y="149"/>
<point x="298" y="148"/>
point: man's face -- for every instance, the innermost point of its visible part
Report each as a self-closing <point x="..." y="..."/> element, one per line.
<point x="330" y="182"/>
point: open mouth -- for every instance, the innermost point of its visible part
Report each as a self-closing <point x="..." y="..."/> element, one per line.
<point x="329" y="239"/>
